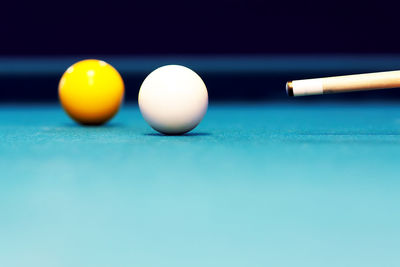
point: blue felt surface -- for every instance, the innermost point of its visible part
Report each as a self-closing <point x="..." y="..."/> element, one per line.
<point x="216" y="64"/>
<point x="253" y="185"/>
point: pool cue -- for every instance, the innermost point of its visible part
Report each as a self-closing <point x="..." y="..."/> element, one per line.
<point x="342" y="84"/>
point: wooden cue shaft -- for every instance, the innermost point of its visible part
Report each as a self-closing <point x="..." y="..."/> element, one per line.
<point x="347" y="83"/>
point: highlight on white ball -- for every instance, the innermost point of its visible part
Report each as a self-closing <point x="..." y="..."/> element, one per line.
<point x="173" y="99"/>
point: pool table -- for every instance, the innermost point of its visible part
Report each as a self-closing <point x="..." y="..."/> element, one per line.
<point x="255" y="184"/>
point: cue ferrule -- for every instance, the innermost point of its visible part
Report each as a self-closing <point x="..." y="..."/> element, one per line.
<point x="342" y="84"/>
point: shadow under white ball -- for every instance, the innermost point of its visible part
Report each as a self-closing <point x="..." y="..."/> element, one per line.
<point x="173" y="99"/>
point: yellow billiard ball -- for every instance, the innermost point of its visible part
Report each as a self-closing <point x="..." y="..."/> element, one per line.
<point x="91" y="91"/>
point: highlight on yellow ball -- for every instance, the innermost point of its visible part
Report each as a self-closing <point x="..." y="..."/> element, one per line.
<point x="91" y="91"/>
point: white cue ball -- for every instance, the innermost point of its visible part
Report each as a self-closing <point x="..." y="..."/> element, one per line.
<point x="173" y="99"/>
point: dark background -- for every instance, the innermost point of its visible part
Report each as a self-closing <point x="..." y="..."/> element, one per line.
<point x="201" y="26"/>
<point x="67" y="31"/>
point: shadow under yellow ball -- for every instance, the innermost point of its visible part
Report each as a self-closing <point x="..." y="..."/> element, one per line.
<point x="91" y="91"/>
